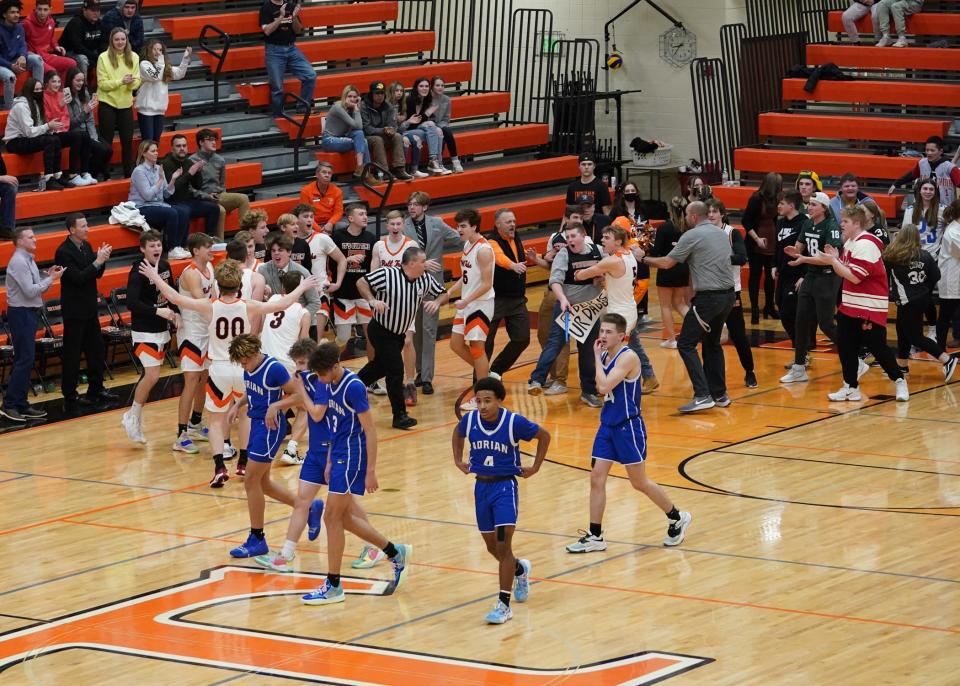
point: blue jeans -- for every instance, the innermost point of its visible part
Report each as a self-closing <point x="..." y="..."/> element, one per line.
<point x="23" y="331"/>
<point x="8" y="205"/>
<point x="34" y="65"/>
<point x="288" y="58"/>
<point x="169" y="222"/>
<point x="355" y="142"/>
<point x="151" y="126"/>
<point x="434" y="138"/>
<point x="585" y="361"/>
<point x="415" y="142"/>
<point x="208" y="210"/>
<point x="646" y="369"/>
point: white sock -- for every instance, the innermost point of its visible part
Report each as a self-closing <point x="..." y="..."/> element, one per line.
<point x="288" y="548"/>
<point x="136" y="409"/>
<point x="292" y="447"/>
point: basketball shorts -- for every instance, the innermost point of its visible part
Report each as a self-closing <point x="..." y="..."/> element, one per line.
<point x="150" y="347"/>
<point x="355" y="311"/>
<point x="263" y="443"/>
<point x="497" y="504"/>
<point x="326" y="306"/>
<point x="193" y="353"/>
<point x="314" y="465"/>
<point x="625" y="443"/>
<point x="224" y="384"/>
<point x="473" y="321"/>
<point x="348" y="472"/>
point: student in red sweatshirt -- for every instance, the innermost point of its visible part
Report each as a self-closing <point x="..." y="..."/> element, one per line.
<point x="40" y="28"/>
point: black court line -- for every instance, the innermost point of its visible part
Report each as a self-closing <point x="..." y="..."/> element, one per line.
<point x="685" y="549"/>
<point x="445" y="610"/>
<point x="841" y="464"/>
<point x="107" y="565"/>
<point x="14" y="478"/>
<point x="161" y="489"/>
<point x="914" y="419"/>
<point x="28" y="619"/>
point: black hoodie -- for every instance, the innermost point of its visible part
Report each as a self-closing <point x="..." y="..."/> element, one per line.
<point x="82" y="37"/>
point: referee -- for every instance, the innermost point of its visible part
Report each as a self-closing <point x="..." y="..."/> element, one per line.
<point x="394" y="294"/>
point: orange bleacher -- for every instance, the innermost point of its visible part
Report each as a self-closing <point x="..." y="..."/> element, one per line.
<point x="781" y="124"/>
<point x="924" y="23"/>
<point x="239" y="23"/>
<point x="921" y="93"/>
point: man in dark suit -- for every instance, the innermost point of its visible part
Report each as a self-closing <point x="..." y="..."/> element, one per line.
<point x="432" y="235"/>
<point x="81" y="323"/>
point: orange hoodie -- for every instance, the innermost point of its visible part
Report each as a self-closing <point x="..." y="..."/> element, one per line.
<point x="53" y="108"/>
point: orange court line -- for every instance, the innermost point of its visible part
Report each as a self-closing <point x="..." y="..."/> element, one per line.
<point x="102" y="508"/>
<point x="756" y="606"/>
<point x="605" y="587"/>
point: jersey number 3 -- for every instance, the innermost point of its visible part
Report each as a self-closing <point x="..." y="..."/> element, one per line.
<point x="277" y="320"/>
<point x="228" y="328"/>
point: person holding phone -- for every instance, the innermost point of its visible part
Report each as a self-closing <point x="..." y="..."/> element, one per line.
<point x="118" y="76"/>
<point x="280" y="23"/>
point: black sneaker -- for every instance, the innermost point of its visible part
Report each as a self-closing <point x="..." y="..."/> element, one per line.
<point x="12" y="414"/>
<point x="404" y="421"/>
<point x="427" y="388"/>
<point x="750" y="380"/>
<point x="33" y="412"/>
<point x="949" y="367"/>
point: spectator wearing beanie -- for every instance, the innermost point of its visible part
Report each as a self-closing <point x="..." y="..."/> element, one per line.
<point x="379" y="119"/>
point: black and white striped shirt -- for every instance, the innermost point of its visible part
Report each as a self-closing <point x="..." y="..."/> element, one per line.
<point x="402" y="296"/>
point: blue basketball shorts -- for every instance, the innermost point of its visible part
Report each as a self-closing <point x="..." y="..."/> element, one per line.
<point x="314" y="465"/>
<point x="264" y="444"/>
<point x="348" y="472"/>
<point x="625" y="443"/>
<point x="497" y="504"/>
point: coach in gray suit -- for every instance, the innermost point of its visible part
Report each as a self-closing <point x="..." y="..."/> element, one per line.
<point x="432" y="235"/>
<point x="279" y="247"/>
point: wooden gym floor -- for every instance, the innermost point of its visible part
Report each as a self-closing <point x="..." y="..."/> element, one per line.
<point x="822" y="550"/>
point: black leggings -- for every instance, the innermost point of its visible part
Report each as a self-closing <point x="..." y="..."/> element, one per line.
<point x="48" y="143"/>
<point x="112" y="120"/>
<point x="948" y="310"/>
<point x="854" y="334"/>
<point x="761" y="265"/>
<point x="738" y="335"/>
<point x="910" y="329"/>
<point x="449" y="140"/>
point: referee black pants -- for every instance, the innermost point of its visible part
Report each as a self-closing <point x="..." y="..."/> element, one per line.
<point x="387" y="362"/>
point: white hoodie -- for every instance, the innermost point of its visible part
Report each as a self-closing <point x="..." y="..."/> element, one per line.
<point x="153" y="96"/>
<point x="20" y="122"/>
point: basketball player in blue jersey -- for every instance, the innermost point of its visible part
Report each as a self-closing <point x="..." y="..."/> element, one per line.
<point x="307" y="508"/>
<point x="265" y="380"/>
<point x="622" y="436"/>
<point x="350" y="469"/>
<point x="494" y="433"/>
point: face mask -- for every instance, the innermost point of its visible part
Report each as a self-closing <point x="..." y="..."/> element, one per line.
<point x="630" y="196"/>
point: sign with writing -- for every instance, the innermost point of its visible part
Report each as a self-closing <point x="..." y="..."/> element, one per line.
<point x="583" y="316"/>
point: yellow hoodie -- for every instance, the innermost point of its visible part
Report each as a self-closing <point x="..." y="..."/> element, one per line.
<point x="110" y="87"/>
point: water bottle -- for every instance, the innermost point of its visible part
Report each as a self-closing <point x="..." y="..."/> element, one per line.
<point x="724" y="178"/>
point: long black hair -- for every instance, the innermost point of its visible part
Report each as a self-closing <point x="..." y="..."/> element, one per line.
<point x="414" y="104"/>
<point x="83" y="95"/>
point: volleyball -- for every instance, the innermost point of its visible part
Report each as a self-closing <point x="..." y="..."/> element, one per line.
<point x="615" y="61"/>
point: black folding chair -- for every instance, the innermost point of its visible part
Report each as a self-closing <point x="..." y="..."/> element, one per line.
<point x="114" y="335"/>
<point x="48" y="344"/>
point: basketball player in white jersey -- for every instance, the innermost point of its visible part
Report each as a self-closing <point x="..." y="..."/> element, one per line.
<point x="619" y="269"/>
<point x="252" y="285"/>
<point x="471" y="323"/>
<point x="228" y="316"/>
<point x="281" y="330"/>
<point x="322" y="248"/>
<point x="196" y="282"/>
<point x="388" y="252"/>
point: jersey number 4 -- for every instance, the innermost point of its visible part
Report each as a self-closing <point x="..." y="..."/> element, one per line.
<point x="488" y="461"/>
<point x="228" y="328"/>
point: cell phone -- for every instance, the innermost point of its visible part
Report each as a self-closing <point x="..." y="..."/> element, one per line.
<point x="290" y="5"/>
